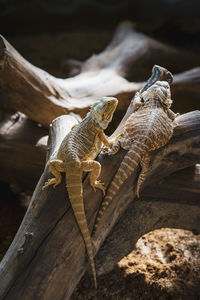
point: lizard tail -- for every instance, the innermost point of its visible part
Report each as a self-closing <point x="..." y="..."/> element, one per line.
<point x="127" y="167"/>
<point x="75" y="192"/>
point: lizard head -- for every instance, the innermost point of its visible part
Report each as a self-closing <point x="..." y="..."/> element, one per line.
<point x="102" y="111"/>
<point x="160" y="90"/>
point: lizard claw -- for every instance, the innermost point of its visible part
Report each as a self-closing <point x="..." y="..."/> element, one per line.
<point x="47" y="183"/>
<point x="44" y="187"/>
<point x="99" y="185"/>
<point x="110" y="151"/>
<point x="51" y="181"/>
<point x="55" y="185"/>
<point x="105" y="150"/>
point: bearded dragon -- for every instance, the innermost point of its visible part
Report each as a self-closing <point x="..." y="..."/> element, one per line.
<point x="76" y="155"/>
<point x="148" y="128"/>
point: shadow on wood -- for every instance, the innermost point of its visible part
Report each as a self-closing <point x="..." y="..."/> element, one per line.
<point x="22" y="150"/>
<point x="47" y="257"/>
<point x="171" y="203"/>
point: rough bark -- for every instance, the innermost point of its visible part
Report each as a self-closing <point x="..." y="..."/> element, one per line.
<point x="130" y="55"/>
<point x="47" y="257"/>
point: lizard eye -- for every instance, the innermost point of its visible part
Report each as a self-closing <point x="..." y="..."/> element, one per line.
<point x="104" y="116"/>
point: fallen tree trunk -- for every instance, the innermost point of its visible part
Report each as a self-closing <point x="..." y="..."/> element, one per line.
<point x="21" y="137"/>
<point x="171" y="203"/>
<point x="22" y="151"/>
<point x="129" y="56"/>
<point x="47" y="257"/>
<point x="42" y="97"/>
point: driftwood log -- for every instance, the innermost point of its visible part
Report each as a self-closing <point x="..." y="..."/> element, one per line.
<point x="22" y="150"/>
<point x="130" y="56"/>
<point x="42" y="97"/>
<point x="171" y="203"/>
<point x="47" y="257"/>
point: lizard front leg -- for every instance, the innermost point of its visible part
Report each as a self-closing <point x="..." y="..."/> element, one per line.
<point x="94" y="168"/>
<point x="105" y="140"/>
<point x="172" y="115"/>
<point x="112" y="146"/>
<point x="56" y="166"/>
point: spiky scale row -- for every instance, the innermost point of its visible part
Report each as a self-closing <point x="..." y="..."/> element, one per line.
<point x="76" y="155"/>
<point x="147" y="129"/>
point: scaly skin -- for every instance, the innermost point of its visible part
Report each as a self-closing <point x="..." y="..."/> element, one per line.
<point x="76" y="155"/>
<point x="148" y="128"/>
<point x="158" y="72"/>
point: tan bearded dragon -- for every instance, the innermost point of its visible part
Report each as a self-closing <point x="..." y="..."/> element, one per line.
<point x="148" y="128"/>
<point x="76" y="155"/>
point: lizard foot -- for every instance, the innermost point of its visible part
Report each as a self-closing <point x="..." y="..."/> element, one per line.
<point x="50" y="182"/>
<point x="110" y="150"/>
<point x="99" y="185"/>
<point x="105" y="150"/>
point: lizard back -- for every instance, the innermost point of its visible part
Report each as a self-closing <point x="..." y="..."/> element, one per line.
<point x="148" y="128"/>
<point x="76" y="155"/>
<point x="81" y="143"/>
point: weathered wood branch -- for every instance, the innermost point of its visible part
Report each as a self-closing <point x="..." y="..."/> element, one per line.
<point x="47" y="257"/>
<point x="132" y="55"/>
<point x="43" y="97"/>
<point x="22" y="150"/>
<point x="32" y="91"/>
<point x="174" y="203"/>
<point x="182" y="151"/>
<point x="25" y="243"/>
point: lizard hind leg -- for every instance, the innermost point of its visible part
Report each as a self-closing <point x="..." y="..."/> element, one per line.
<point x="56" y="166"/>
<point x="145" y="167"/>
<point x="94" y="168"/>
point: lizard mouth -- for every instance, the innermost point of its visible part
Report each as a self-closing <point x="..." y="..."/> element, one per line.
<point x="111" y="106"/>
<point x="107" y="116"/>
<point x="105" y="111"/>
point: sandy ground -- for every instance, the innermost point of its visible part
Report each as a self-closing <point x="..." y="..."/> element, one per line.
<point x="164" y="265"/>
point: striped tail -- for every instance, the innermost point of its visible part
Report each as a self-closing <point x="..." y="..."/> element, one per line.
<point x="127" y="167"/>
<point x="75" y="192"/>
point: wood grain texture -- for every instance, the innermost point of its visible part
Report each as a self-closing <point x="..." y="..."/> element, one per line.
<point x="40" y="207"/>
<point x="116" y="71"/>
<point x="50" y="263"/>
